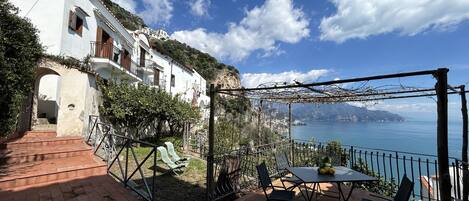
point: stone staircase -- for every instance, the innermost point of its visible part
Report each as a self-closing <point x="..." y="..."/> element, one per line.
<point x="40" y="157"/>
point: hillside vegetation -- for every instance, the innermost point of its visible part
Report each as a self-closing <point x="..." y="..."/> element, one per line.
<point x="129" y="20"/>
<point x="203" y="63"/>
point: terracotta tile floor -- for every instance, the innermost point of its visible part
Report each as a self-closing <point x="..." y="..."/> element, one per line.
<point x="91" y="188"/>
<point x="329" y="189"/>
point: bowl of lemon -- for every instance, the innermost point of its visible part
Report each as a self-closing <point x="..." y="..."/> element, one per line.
<point x="326" y="167"/>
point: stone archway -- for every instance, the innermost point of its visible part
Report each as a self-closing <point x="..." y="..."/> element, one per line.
<point x="46" y="99"/>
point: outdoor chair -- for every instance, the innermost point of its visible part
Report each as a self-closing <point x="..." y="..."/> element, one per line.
<point x="173" y="167"/>
<point x="174" y="155"/>
<point x="403" y="192"/>
<point x="281" y="160"/>
<point x="266" y="183"/>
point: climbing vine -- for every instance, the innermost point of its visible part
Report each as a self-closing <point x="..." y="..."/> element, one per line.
<point x="20" y="51"/>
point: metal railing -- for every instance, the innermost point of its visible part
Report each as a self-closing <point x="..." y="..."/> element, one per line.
<point x="122" y="161"/>
<point x="114" y="54"/>
<point x="388" y="165"/>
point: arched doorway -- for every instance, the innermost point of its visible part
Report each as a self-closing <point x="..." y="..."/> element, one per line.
<point x="46" y="101"/>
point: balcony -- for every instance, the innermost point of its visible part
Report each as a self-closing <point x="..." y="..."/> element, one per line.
<point x="146" y="68"/>
<point x="108" y="60"/>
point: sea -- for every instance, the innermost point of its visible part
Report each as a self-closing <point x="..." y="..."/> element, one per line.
<point x="415" y="136"/>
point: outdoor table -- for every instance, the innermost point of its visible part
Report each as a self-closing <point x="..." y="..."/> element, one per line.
<point x="342" y="174"/>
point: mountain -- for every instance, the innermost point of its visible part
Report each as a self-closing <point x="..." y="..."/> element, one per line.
<point x="341" y="112"/>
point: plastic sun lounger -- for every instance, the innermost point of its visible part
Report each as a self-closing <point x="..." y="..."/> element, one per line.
<point x="173" y="167"/>
<point x="173" y="153"/>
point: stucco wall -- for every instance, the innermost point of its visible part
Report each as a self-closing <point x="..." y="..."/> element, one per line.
<point x="47" y="17"/>
<point x="78" y="98"/>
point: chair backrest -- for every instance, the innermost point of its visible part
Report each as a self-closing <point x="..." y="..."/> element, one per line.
<point x="264" y="177"/>
<point x="405" y="189"/>
<point x="281" y="160"/>
<point x="171" y="151"/>
<point x="164" y="157"/>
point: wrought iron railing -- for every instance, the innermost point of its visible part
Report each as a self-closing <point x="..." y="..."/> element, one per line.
<point x="122" y="161"/>
<point x="111" y="52"/>
<point x="389" y="165"/>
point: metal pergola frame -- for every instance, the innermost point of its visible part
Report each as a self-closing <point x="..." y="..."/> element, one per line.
<point x="441" y="91"/>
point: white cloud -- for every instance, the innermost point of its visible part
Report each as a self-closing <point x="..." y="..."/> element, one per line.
<point x="360" y="19"/>
<point x="157" y="11"/>
<point x="255" y="79"/>
<point x="260" y="29"/>
<point x="199" y="7"/>
<point x="154" y="11"/>
<point x="129" y="5"/>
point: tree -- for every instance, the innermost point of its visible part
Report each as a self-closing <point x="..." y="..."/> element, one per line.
<point x="135" y="108"/>
<point x="127" y="106"/>
<point x="20" y="51"/>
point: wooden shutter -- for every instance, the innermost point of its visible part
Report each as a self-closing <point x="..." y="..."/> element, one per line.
<point x="99" y="34"/>
<point x="72" y="20"/>
<point x="156" y="77"/>
<point x="98" y="47"/>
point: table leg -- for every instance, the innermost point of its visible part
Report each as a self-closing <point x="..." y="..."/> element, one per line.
<point x="341" y="193"/>
<point x="306" y="195"/>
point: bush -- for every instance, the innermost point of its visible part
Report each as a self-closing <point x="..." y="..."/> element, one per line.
<point x="20" y="52"/>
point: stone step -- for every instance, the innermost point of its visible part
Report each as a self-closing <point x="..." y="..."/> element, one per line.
<point x="27" y="142"/>
<point x="33" y="173"/>
<point x="32" y="154"/>
<point x="40" y="134"/>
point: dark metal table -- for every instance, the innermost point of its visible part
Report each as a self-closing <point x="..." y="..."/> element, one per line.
<point x="309" y="175"/>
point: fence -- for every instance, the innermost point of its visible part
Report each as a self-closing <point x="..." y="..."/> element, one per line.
<point x="388" y="165"/>
<point x="123" y="163"/>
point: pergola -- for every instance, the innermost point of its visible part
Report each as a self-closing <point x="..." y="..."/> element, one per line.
<point x="336" y="91"/>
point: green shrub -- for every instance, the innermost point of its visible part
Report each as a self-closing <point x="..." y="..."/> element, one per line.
<point x="20" y="52"/>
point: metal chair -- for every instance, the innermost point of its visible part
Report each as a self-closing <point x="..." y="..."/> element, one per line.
<point x="403" y="192"/>
<point x="405" y="189"/>
<point x="281" y="160"/>
<point x="275" y="195"/>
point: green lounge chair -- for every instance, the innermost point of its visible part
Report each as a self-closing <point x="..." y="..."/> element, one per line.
<point x="173" y="167"/>
<point x="174" y="155"/>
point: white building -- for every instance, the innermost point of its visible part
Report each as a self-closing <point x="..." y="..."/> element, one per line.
<point x="82" y="28"/>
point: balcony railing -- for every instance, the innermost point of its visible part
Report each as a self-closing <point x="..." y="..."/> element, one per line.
<point x="109" y="51"/>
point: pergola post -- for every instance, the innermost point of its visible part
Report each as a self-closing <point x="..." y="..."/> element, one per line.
<point x="289" y="133"/>
<point x="442" y="134"/>
<point x="465" y="173"/>
<point x="259" y="123"/>
<point x="211" y="135"/>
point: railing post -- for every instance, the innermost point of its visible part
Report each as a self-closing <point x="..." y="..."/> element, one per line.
<point x="126" y="161"/>
<point x="154" y="174"/>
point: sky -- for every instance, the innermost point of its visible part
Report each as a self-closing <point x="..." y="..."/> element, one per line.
<point x="318" y="40"/>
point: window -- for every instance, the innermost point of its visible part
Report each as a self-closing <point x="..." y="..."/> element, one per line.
<point x="156" y="77"/>
<point x="75" y="23"/>
<point x="173" y="80"/>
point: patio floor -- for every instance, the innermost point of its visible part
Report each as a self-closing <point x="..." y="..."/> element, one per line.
<point x="330" y="191"/>
<point x="99" y="188"/>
